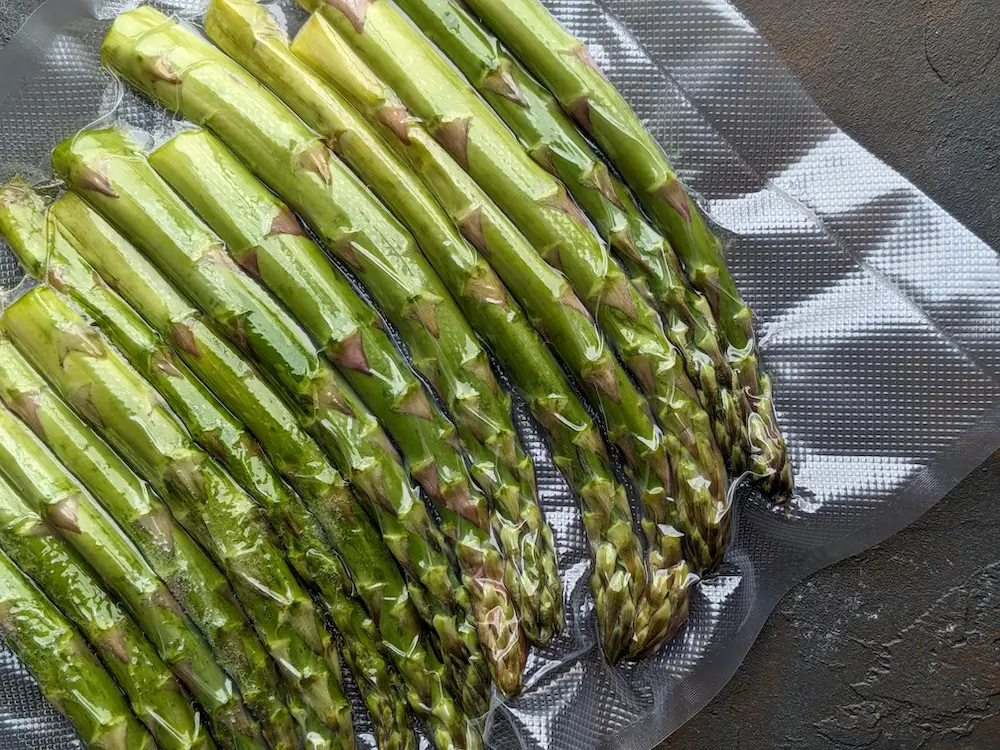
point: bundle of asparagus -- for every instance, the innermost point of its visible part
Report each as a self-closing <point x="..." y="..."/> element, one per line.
<point x="557" y="313"/>
<point x="687" y="462"/>
<point x="229" y="363"/>
<point x="549" y="137"/>
<point x="95" y="380"/>
<point x="252" y="400"/>
<point x="622" y="582"/>
<point x="563" y="64"/>
<point x="147" y="210"/>
<point x="246" y="31"/>
<point x="72" y="512"/>
<point x="156" y="697"/>
<point x="305" y="544"/>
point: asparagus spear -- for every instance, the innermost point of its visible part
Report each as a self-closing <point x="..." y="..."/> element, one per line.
<point x="563" y="64"/>
<point x="296" y="455"/>
<point x="287" y="262"/>
<point x="548" y="301"/>
<point x="156" y="697"/>
<point x="67" y="672"/>
<point x="128" y="413"/>
<point x="534" y="116"/>
<point x="22" y="219"/>
<point x="246" y="31"/>
<point x="70" y="510"/>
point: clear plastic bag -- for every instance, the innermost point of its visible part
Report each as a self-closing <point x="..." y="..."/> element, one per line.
<point x="878" y="317"/>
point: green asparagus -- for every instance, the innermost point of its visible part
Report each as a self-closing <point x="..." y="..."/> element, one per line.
<point x="212" y="427"/>
<point x="539" y="206"/>
<point x="127" y="412"/>
<point x="476" y="408"/>
<point x="374" y="469"/>
<point x="156" y="697"/>
<point x="75" y="515"/>
<point x="296" y="455"/>
<point x="247" y="32"/>
<point x="414" y="50"/>
<point x="174" y="238"/>
<point x="534" y="116"/>
<point x="197" y="585"/>
<point x="287" y="262"/>
<point x="67" y="672"/>
<point x="551" y="305"/>
<point x="304" y="541"/>
<point x="563" y="64"/>
<point x="444" y="348"/>
<point x="553" y="308"/>
<point x="578" y="445"/>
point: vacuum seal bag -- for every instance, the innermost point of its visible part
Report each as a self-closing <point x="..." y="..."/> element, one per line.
<point x="877" y="315"/>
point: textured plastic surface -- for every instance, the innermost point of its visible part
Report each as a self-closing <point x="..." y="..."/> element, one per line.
<point x="878" y="316"/>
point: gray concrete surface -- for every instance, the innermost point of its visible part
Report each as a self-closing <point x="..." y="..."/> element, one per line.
<point x="897" y="648"/>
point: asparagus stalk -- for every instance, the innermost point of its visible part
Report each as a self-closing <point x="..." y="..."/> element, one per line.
<point x="241" y="209"/>
<point x="22" y="219"/>
<point x="375" y="468"/>
<point x="128" y="413"/>
<point x="293" y="452"/>
<point x="551" y="139"/>
<point x="75" y="515"/>
<point x="67" y="672"/>
<point x="563" y="64"/>
<point x="156" y="697"/>
<point x="552" y="307"/>
<point x="247" y="32"/>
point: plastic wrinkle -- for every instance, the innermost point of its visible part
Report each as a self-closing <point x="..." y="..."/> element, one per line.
<point x="256" y="585"/>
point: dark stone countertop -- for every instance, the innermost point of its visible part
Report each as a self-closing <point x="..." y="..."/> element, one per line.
<point x="898" y="647"/>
